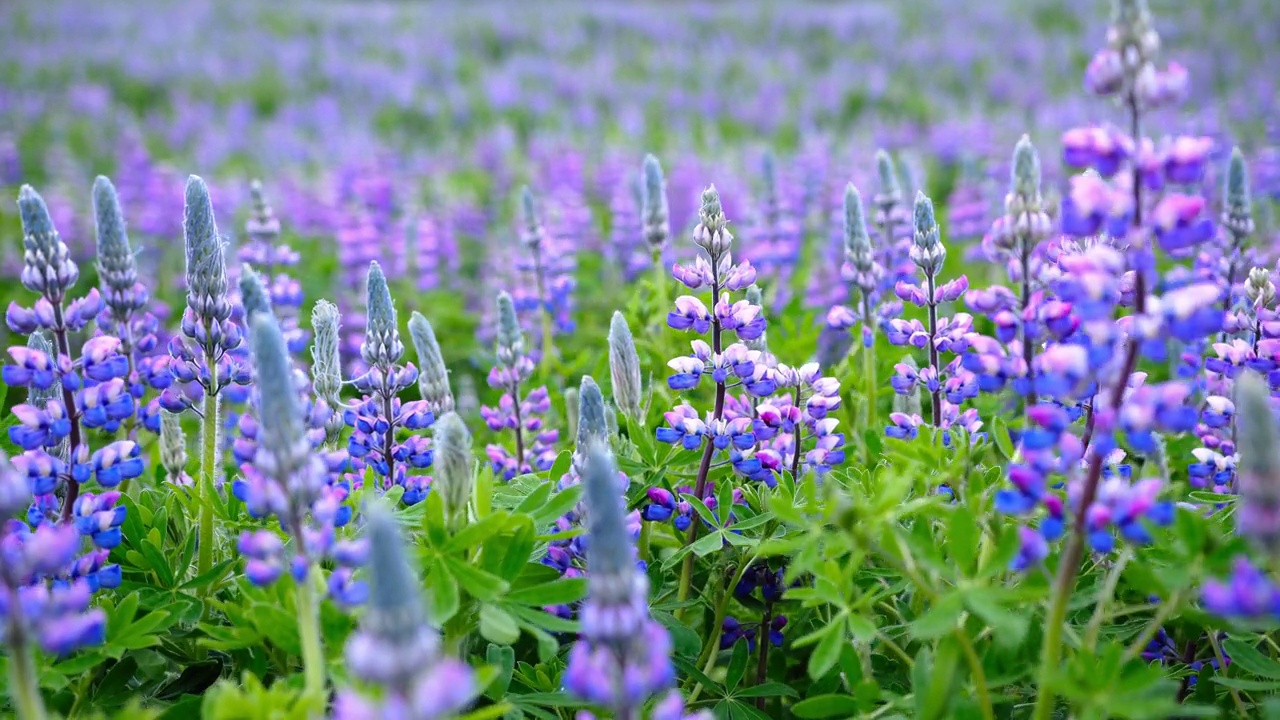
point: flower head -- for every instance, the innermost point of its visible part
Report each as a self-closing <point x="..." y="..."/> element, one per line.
<point x="624" y="368"/>
<point x="433" y="377"/>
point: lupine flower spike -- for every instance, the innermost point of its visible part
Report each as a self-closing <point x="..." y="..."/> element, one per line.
<point x="395" y="649"/>
<point x="454" y="471"/>
<point x="433" y="376"/>
<point x="326" y="363"/>
<point x="624" y="369"/>
<point x="518" y="412"/>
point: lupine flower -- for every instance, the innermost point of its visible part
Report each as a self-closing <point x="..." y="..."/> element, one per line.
<point x="377" y="419"/>
<point x="624" y="368"/>
<point x="653" y="204"/>
<point x="395" y="648"/>
<point x="1247" y="595"/>
<point x="518" y="412"/>
<point x="623" y="656"/>
<point x="433" y="378"/>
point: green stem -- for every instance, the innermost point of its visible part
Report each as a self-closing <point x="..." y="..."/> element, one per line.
<point x="309" y="634"/>
<point x="646" y="531"/>
<point x="1222" y="665"/>
<point x="869" y="364"/>
<point x="707" y="660"/>
<point x="1144" y="638"/>
<point x="23" y="687"/>
<point x="1104" y="596"/>
<point x="209" y="427"/>
<point x="660" y="281"/>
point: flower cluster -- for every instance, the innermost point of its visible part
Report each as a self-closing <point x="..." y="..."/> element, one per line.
<point x="376" y="419"/>
<point x="518" y="412"/>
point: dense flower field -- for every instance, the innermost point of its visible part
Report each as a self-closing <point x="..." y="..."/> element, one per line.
<point x="652" y="360"/>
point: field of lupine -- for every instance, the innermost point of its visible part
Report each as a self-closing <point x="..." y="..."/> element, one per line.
<point x="734" y="360"/>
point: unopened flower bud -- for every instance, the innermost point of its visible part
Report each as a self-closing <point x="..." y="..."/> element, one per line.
<point x="433" y="375"/>
<point x="592" y="425"/>
<point x="571" y="409"/>
<point x="624" y="368"/>
<point x="47" y="266"/>
<point x="454" y="479"/>
<point x="653" y="202"/>
<point x="382" y="347"/>
<point x="927" y="251"/>
<point x="711" y="233"/>
<point x="1259" y="288"/>
<point x="253" y="294"/>
<point x="206" y="263"/>
<point x="173" y="448"/>
<point x="890" y="193"/>
<point x="1237" y="206"/>
<point x="510" y="340"/>
<point x="531" y="227"/>
<point x="326" y="362"/>
<point x="117" y="268"/>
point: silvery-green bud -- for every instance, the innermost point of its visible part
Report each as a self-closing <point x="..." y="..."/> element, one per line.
<point x="591" y="413"/>
<point x="433" y="375"/>
<point x="1025" y="180"/>
<point x="326" y="362"/>
<point x="1259" y="288"/>
<point x="47" y="267"/>
<point x="454" y="479"/>
<point x="1237" y="205"/>
<point x="624" y="368"/>
<point x="285" y="454"/>
<point x="890" y="193"/>
<point x="206" y="263"/>
<point x="611" y="419"/>
<point x="531" y="231"/>
<point x="253" y="293"/>
<point x="610" y="555"/>
<point x="654" y="214"/>
<point x="857" y="242"/>
<point x="263" y="226"/>
<point x="1258" y="511"/>
<point x="394" y="643"/>
<point x="571" y="405"/>
<point x="510" y="339"/>
<point x="173" y="448"/>
<point x="382" y="347"/>
<point x="711" y="233"/>
<point x="117" y="268"/>
<point x="927" y="251"/>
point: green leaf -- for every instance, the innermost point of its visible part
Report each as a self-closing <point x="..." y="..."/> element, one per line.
<point x="559" y="592"/>
<point x="769" y="689"/>
<point x="444" y="595"/>
<point x="480" y="584"/>
<point x="685" y="641"/>
<point x="1000" y="433"/>
<point x="1243" y="684"/>
<point x="497" y="625"/>
<point x="737" y="666"/>
<point x="825" y="706"/>
<point x="827" y="653"/>
<point x="940" y="619"/>
<point x="1246" y="657"/>
<point x="559" y="504"/>
<point x="862" y="629"/>
<point x="475" y="534"/>
<point x="504" y="659"/>
<point x="708" y="544"/>
<point x="1009" y="628"/>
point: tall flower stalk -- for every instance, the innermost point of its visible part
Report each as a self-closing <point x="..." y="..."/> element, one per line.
<point x="655" y="221"/>
<point x="517" y="411"/>
<point x="202" y="355"/>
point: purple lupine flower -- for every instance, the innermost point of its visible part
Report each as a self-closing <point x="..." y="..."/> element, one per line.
<point x="622" y="656"/>
<point x="1247" y="595"/>
<point x="379" y="416"/>
<point x="520" y="413"/>
<point x="395" y="648"/>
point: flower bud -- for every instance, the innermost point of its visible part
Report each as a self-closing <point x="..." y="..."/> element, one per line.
<point x="890" y="192"/>
<point x="711" y="233"/>
<point x="433" y="375"/>
<point x="326" y="362"/>
<point x="1259" y="288"/>
<point x="1258" y="516"/>
<point x="927" y="251"/>
<point x="653" y="203"/>
<point x="382" y="347"/>
<point x="1237" y="206"/>
<point x="116" y="266"/>
<point x="592" y="425"/>
<point x="173" y="448"/>
<point x="47" y="266"/>
<point x="262" y="226"/>
<point x="510" y="340"/>
<point x="611" y="555"/>
<point x="206" y="263"/>
<point x="571" y="407"/>
<point x="531" y="231"/>
<point x="624" y="368"/>
<point x="454" y="479"/>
